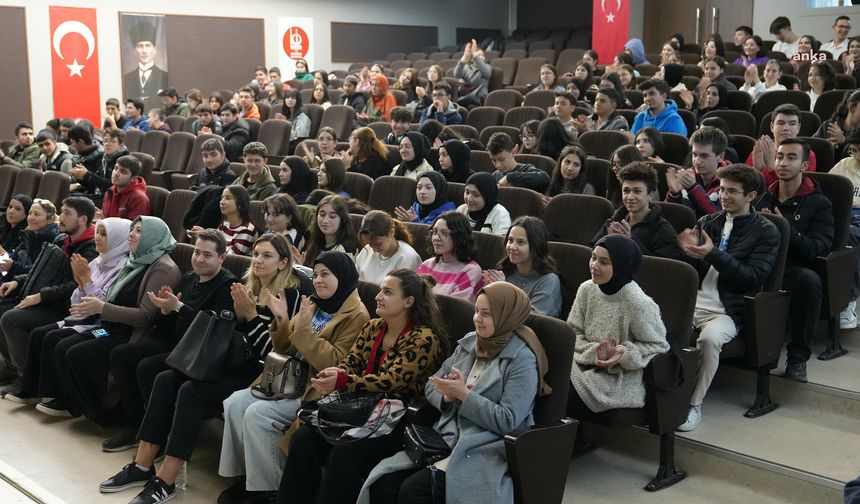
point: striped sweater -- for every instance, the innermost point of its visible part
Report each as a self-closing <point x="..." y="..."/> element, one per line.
<point x="240" y="238"/>
<point x="454" y="279"/>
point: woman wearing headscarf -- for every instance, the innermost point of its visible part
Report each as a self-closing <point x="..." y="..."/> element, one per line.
<point x="378" y="108"/>
<point x="94" y="278"/>
<point x="485" y="390"/>
<point x="414" y="149"/>
<point x="126" y="315"/>
<point x="482" y="206"/>
<point x="431" y="200"/>
<point x="321" y="333"/>
<point x="618" y="331"/>
<point x="296" y="178"/>
<point x="454" y="156"/>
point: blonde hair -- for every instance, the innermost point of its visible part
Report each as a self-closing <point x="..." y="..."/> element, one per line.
<point x="285" y="279"/>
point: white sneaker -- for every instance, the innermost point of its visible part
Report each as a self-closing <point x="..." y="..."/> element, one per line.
<point x="848" y="317"/>
<point x="693" y="419"/>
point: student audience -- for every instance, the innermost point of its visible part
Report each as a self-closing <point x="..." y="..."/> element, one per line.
<point x="39" y="227"/>
<point x="659" y="112"/>
<point x="401" y="119"/>
<point x="332" y="230"/>
<point x="331" y="177"/>
<point x="366" y="154"/>
<point x="443" y="108"/>
<point x="54" y="156"/>
<point x="649" y="142"/>
<point x="482" y="206"/>
<point x="388" y="247"/>
<point x="474" y="74"/>
<point x="454" y="156"/>
<point x="136" y="120"/>
<point x="698" y="187"/>
<point x="216" y="170"/>
<point x="753" y="52"/>
<point x="431" y="199"/>
<point x="548" y="79"/>
<point x="235" y="131"/>
<point x="552" y="138"/>
<point x="414" y="149"/>
<point x="786" y="40"/>
<point x="293" y="112"/>
<point x="208" y="121"/>
<point x="25" y="152"/>
<point x="126" y="198"/>
<point x="295" y="178"/>
<point x="452" y="265"/>
<point x="325" y="146"/>
<point x="839" y="44"/>
<point x="511" y="173"/>
<point x="755" y="87"/>
<point x="784" y="123"/>
<point x="821" y="78"/>
<point x="570" y="175"/>
<point x="844" y="121"/>
<point x="378" y="108"/>
<point x="352" y="97"/>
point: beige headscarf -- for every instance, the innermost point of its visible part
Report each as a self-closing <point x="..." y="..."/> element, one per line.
<point x="511" y="307"/>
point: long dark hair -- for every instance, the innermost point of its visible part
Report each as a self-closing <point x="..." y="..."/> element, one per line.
<point x="292" y="114"/>
<point x="552" y="137"/>
<point x="538" y="236"/>
<point x="345" y="235"/>
<point x="559" y="184"/>
<point x="718" y="42"/>
<point x="844" y="107"/>
<point x="243" y="201"/>
<point x="284" y="204"/>
<point x="336" y="173"/>
<point x="461" y="235"/>
<point x="654" y="136"/>
<point x="425" y="310"/>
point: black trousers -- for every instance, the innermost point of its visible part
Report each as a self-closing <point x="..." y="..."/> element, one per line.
<point x="88" y="365"/>
<point x="124" y="361"/>
<point x="54" y="375"/>
<point x="411" y="486"/>
<point x="37" y="364"/>
<point x="17" y="324"/>
<point x="805" y="287"/>
<point x="346" y="466"/>
<point x="147" y="370"/>
<point x="178" y="405"/>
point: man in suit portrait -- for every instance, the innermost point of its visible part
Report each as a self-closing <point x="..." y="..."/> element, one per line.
<point x="144" y="82"/>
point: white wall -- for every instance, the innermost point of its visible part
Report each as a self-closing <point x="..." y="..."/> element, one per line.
<point x="815" y="22"/>
<point x="637" y="18"/>
<point x="447" y="15"/>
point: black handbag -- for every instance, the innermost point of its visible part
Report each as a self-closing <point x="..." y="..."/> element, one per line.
<point x="209" y="347"/>
<point x="424" y="445"/>
<point x="349" y="408"/>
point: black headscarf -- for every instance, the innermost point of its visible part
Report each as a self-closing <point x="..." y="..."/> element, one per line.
<point x="486" y="185"/>
<point x="421" y="146"/>
<point x="626" y="259"/>
<point x="673" y="73"/>
<point x="347" y="279"/>
<point x="460" y="153"/>
<point x="302" y="181"/>
<point x="441" y="186"/>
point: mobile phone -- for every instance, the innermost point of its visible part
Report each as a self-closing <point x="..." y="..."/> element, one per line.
<point x="100" y="333"/>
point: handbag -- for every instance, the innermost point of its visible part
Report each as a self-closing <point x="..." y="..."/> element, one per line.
<point x="284" y="377"/>
<point x="209" y="347"/>
<point x="346" y="417"/>
<point x="424" y="445"/>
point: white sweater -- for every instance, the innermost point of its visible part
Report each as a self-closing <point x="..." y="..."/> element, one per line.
<point x="629" y="316"/>
<point x="497" y="222"/>
<point x="372" y="267"/>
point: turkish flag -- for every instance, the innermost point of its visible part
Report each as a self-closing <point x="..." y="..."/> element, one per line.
<point x="75" y="63"/>
<point x="610" y="26"/>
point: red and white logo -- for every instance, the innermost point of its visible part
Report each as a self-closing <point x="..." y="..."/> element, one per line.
<point x="296" y="42"/>
<point x="610" y="16"/>
<point x="75" y="63"/>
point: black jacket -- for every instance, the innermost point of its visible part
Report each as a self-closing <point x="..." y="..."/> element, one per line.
<point x="355" y="100"/>
<point x="99" y="181"/>
<point x="51" y="274"/>
<point x="237" y="134"/>
<point x="747" y="261"/>
<point x="222" y="177"/>
<point x="810" y="215"/>
<point x="525" y="175"/>
<point x="374" y="167"/>
<point x="654" y="235"/>
<point x="92" y="159"/>
<point x="28" y="249"/>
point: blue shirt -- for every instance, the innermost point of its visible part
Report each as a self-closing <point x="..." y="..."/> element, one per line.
<point x="142" y="124"/>
<point x="667" y="121"/>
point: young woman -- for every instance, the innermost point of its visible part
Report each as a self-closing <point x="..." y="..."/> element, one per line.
<point x="296" y="178"/>
<point x="366" y="154"/>
<point x="670" y="53"/>
<point x="332" y="230"/>
<point x="583" y="72"/>
<point x="452" y="264"/>
<point x="714" y="98"/>
<point x="325" y="148"/>
<point x="302" y="71"/>
<point x="714" y="46"/>
<point x="485" y="390"/>
<point x="627" y="75"/>
<point x="807" y="50"/>
<point x="16" y="221"/>
<point x="407" y="82"/>
<point x="93" y="279"/>
<point x="612" y="348"/>
<point x="215" y="102"/>
<point x="321" y="77"/>
<point x="331" y="177"/>
<point x="395" y="354"/>
<point x="388" y="247"/>
<point x="850" y="57"/>
<point x="527" y="265"/>
<point x="177" y="405"/>
<point x="577" y="88"/>
<point x="622" y="157"/>
<point x="274" y="94"/>
<point x="41" y="228"/>
<point x="649" y="141"/>
<point x="293" y="112"/>
<point x="529" y="137"/>
<point x="378" y="108"/>
<point x="753" y="52"/>
<point x="571" y="174"/>
<point x="755" y="87"/>
<point x="414" y="149"/>
<point x="454" y="156"/>
<point x="431" y="200"/>
<point x="320" y="333"/>
<point x="236" y="222"/>
<point x="821" y="78"/>
<point x="482" y="205"/>
<point x="553" y="137"/>
<point x="435" y="74"/>
<point x="320" y="96"/>
<point x="548" y="79"/>
<point x="844" y="121"/>
<point x="283" y="217"/>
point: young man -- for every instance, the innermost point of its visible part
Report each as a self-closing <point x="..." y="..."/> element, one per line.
<point x="637" y="218"/>
<point x="742" y="33"/>
<point x="351" y="96"/>
<point x="143" y="82"/>
<point x="787" y="40"/>
<point x="839" y="44"/>
<point x="155" y="118"/>
<point x="89" y="158"/>
<point x="605" y="118"/>
<point x="850" y="168"/>
<point x="733" y="251"/>
<point x="508" y="171"/>
<point x="401" y="118"/>
<point x="54" y="156"/>
<point x="134" y="113"/>
<point x="235" y="131"/>
<point x="113" y="115"/>
<point x="257" y="178"/>
<point x="24" y="154"/>
<point x="475" y="72"/>
<point x="249" y="109"/>
<point x="206" y="122"/>
<point x="216" y="167"/>
<point x="127" y="197"/>
<point x="95" y="183"/>
<point x="41" y="296"/>
<point x="563" y="108"/>
<point x="660" y="112"/>
<point x="170" y="103"/>
<point x="699" y="182"/>
<point x="810" y="214"/>
<point x="714" y="72"/>
<point x="206" y="287"/>
<point x="65" y="125"/>
<point x="784" y="123"/>
<point x="442" y="109"/>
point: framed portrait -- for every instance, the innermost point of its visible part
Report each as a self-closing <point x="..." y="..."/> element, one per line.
<point x="144" y="57"/>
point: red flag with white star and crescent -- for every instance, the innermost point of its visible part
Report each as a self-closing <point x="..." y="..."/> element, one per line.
<point x="610" y="28"/>
<point x="75" y="63"/>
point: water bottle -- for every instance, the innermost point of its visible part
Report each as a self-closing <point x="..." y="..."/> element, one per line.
<point x="182" y="477"/>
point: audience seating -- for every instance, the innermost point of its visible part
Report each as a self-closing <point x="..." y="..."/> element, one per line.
<point x="185" y="178"/>
<point x="7" y="184"/>
<point x="602" y="144"/>
<point x="743" y="144"/>
<point x="541" y="98"/>
<point x="847" y="82"/>
<point x="516" y="53"/>
<point x="147" y="165"/>
<point x="134" y="140"/>
<point x="27" y="182"/>
<point x="676" y="149"/>
<point x="634" y="96"/>
<point x="315" y="113"/>
<point x="690" y="120"/>
<point x="520" y="201"/>
<point x="548" y="54"/>
<point x="181" y="255"/>
<point x="175" y="122"/>
<point x="157" y="199"/>
<point x="256" y="125"/>
<point x="518" y="116"/>
<point x="480" y="161"/>
<point x="465" y="131"/>
<point x="358" y="186"/>
<point x="258" y="215"/>
<point x="693" y="70"/>
<point x="628" y="114"/>
<point x="155" y="143"/>
<point x="809" y="123"/>
<point x="237" y="264"/>
<point x="528" y="71"/>
<point x="455" y="192"/>
<point x="770" y="100"/>
<point x="389" y="192"/>
<point x="681" y="217"/>
<point x="396" y="56"/>
<point x="540" y="162"/>
<point x="414" y="56"/>
<point x="647" y="69"/>
<point x="828" y="102"/>
<point x="481" y="117"/>
<point x="508" y="66"/>
<point x="506" y="99"/>
<point x="489" y="249"/>
<point x="824" y="153"/>
<point x="597" y="172"/>
<point x="399" y="96"/>
<point x="340" y="118"/>
<point x="568" y="58"/>
<point x="420" y="239"/>
<point x="275" y="135"/>
<point x="487" y="132"/>
<point x="739" y="121"/>
<point x="739" y="100"/>
<point x="175" y="207"/>
<point x="590" y="213"/>
<point x="54" y="187"/>
<point x="187" y="125"/>
<point x="439" y="56"/>
<point x="177" y="156"/>
<point x="380" y="129"/>
<point x="661" y="168"/>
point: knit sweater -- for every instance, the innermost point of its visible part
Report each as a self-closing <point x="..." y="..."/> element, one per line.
<point x="372" y="266"/>
<point x="634" y="320"/>
<point x="239" y="238"/>
<point x="455" y="278"/>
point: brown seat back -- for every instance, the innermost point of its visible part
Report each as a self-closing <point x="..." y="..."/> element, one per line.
<point x="358" y="186"/>
<point x="602" y="143"/>
<point x="176" y="122"/>
<point x="27" y="182"/>
<point x="157" y="199"/>
<point x="275" y="135"/>
<point x="178" y="151"/>
<point x="505" y="99"/>
<point x="339" y="118"/>
<point x="389" y="192"/>
<point x="53" y="187"/>
<point x="576" y="218"/>
<point x="134" y="140"/>
<point x="520" y="201"/>
<point x="155" y="143"/>
<point x="481" y="117"/>
<point x="541" y="98"/>
<point x="490" y="249"/>
<point x="518" y="116"/>
<point x="175" y="207"/>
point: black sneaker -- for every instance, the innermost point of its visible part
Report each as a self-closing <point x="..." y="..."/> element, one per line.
<point x="55" y="408"/>
<point x="796" y="371"/>
<point x="156" y="490"/>
<point x="125" y="440"/>
<point x="235" y="493"/>
<point x="18" y="396"/>
<point x="131" y="476"/>
<point x="262" y="498"/>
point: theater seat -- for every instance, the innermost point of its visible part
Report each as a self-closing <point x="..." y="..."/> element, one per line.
<point x="481" y="117"/>
<point x="770" y="100"/>
<point x="809" y="124"/>
<point x="27" y="182"/>
<point x="147" y="165"/>
<point x="541" y="98"/>
<point x="681" y="217"/>
<point x="175" y="122"/>
<point x="676" y="149"/>
<point x="576" y="218"/>
<point x="134" y="140"/>
<point x="340" y="119"/>
<point x="602" y="143"/>
<point x="420" y="239"/>
<point x="358" y="186"/>
<point x="177" y="205"/>
<point x="490" y="249"/>
<point x="739" y="121"/>
<point x="155" y="143"/>
<point x="488" y="131"/>
<point x="157" y="199"/>
<point x="480" y="161"/>
<point x="54" y="187"/>
<point x="179" y="177"/>
<point x="824" y="152"/>
<point x="827" y="103"/>
<point x="518" y="116"/>
<point x="505" y="99"/>
<point x="237" y="264"/>
<point x="520" y="201"/>
<point x="7" y="184"/>
<point x="389" y="192"/>
<point x="275" y="135"/>
<point x="545" y="163"/>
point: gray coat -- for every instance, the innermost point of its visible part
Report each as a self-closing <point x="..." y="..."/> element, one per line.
<point x="476" y="72"/>
<point x="500" y="402"/>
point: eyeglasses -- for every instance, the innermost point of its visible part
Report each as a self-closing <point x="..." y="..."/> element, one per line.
<point x="441" y="233"/>
<point x="731" y="191"/>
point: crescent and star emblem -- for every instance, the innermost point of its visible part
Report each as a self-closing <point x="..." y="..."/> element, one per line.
<point x="81" y="29"/>
<point x="610" y="18"/>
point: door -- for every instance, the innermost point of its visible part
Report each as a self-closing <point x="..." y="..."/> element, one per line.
<point x="728" y="15"/>
<point x="694" y="19"/>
